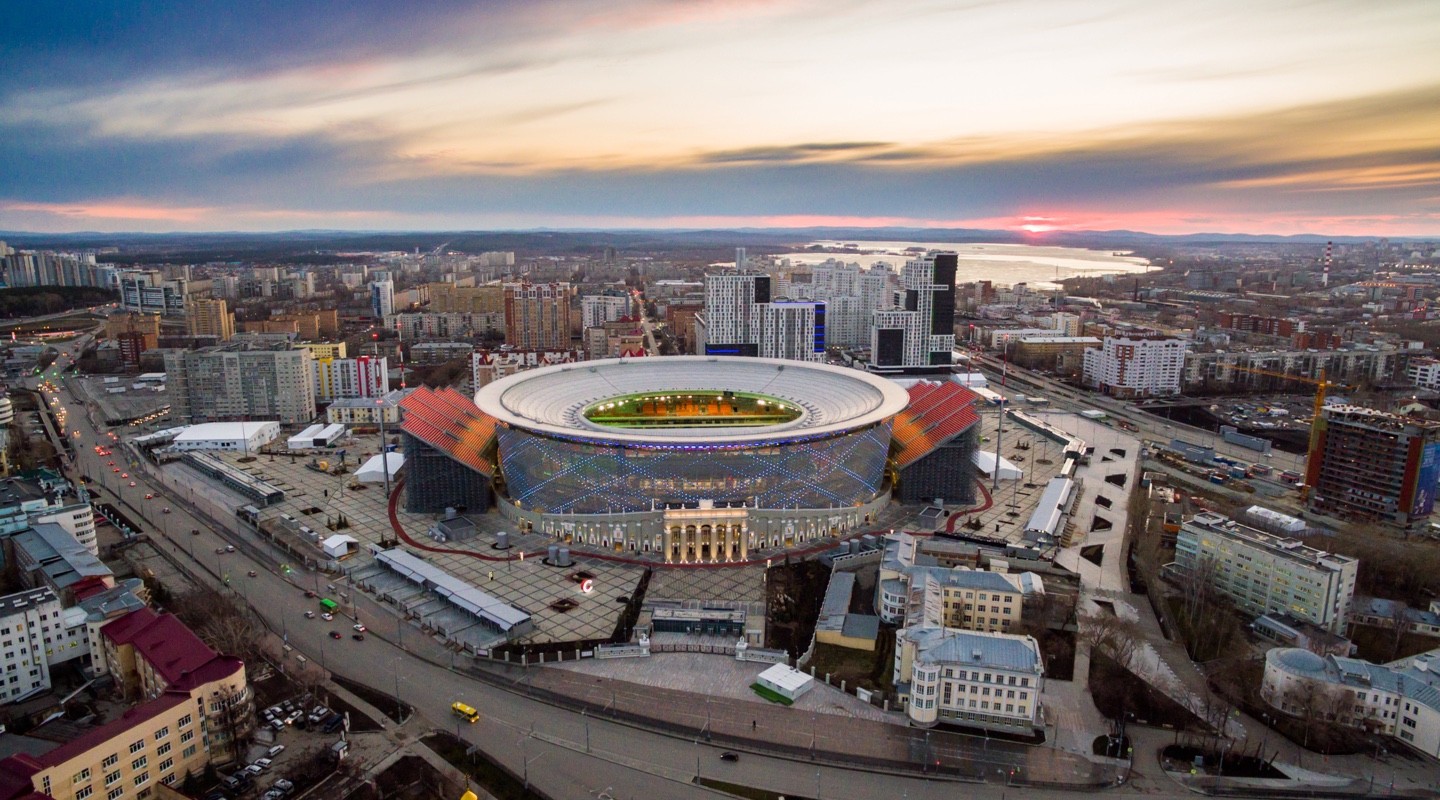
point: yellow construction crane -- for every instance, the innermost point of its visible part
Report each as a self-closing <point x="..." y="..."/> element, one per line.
<point x="1320" y="385"/>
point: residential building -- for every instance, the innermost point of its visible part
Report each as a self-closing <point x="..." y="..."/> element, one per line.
<point x="131" y="346"/>
<point x="919" y="333"/>
<point x="449" y="298"/>
<point x="492" y="365"/>
<point x="206" y="317"/>
<point x="46" y="268"/>
<point x="1267" y="574"/>
<point x="367" y="410"/>
<point x="1136" y="366"/>
<point x="148" y="292"/>
<point x="1368" y="465"/>
<point x="1254" y="323"/>
<point x="1215" y="372"/>
<point x="33" y="637"/>
<point x="234" y="381"/>
<point x="743" y="318"/>
<point x="146" y="325"/>
<point x="430" y="353"/>
<point x="980" y="680"/>
<point x="47" y="555"/>
<point x="319" y="350"/>
<point x="852" y="295"/>
<point x="447" y="325"/>
<point x="366" y="376"/>
<point x="537" y="316"/>
<point x="1045" y="352"/>
<point x="382" y="296"/>
<point x="1424" y="372"/>
<point x="914" y="591"/>
<point x="598" y="309"/>
<point x="1400" y="699"/>
<point x="40" y="497"/>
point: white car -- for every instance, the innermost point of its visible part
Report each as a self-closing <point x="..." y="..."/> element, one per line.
<point x="327" y="616"/>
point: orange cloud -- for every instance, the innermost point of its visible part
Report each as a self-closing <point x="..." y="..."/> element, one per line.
<point x="115" y="210"/>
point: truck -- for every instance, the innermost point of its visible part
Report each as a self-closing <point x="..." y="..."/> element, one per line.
<point x="1259" y="469"/>
<point x="1293" y="477"/>
<point x="1238" y="472"/>
<point x="1217" y="477"/>
<point x="1091" y="413"/>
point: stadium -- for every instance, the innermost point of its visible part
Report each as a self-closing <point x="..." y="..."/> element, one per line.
<point x="687" y="458"/>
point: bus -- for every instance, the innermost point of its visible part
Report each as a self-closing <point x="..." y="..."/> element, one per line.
<point x="328" y="606"/>
<point x="465" y="712"/>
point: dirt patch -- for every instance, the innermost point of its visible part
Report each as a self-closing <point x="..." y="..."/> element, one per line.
<point x="793" y="593"/>
<point x="867" y="669"/>
<point x="1118" y="693"/>
<point x="497" y="780"/>
<point x="1058" y="650"/>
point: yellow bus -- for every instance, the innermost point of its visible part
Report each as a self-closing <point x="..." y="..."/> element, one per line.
<point x="466" y="712"/>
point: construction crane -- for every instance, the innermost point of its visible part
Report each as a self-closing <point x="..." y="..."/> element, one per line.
<point x="1320" y="385"/>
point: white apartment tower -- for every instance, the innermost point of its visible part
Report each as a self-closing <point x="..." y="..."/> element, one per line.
<point x="919" y="333"/>
<point x="1136" y="366"/>
<point x="742" y="319"/>
<point x="598" y="309"/>
<point x="382" y="296"/>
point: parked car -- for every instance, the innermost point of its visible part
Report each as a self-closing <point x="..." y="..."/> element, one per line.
<point x="359" y="628"/>
<point x="294" y="716"/>
<point x="219" y="551"/>
<point x="309" y="615"/>
<point x="230" y="549"/>
<point x="262" y="763"/>
<point x="275" y="751"/>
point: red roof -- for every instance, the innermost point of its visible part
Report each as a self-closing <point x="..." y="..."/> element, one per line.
<point x="451" y="423"/>
<point x="98" y="736"/>
<point x="938" y="412"/>
<point x="16" y="774"/>
<point x="170" y="648"/>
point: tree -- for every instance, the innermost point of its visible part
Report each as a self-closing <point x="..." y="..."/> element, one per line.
<point x="1117" y="638"/>
<point x="1399" y="622"/>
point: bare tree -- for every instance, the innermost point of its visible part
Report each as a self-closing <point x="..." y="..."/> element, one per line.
<point x="1117" y="638"/>
<point x="1399" y="622"/>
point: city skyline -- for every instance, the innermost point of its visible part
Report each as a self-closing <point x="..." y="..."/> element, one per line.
<point x="1301" y="117"/>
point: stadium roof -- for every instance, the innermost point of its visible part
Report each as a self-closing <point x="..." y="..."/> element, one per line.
<point x="447" y="421"/>
<point x="938" y="412"/>
<point x="551" y="400"/>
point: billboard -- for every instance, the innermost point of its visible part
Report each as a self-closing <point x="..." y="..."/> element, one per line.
<point x="1425" y="482"/>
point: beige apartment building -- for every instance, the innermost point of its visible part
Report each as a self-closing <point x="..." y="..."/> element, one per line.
<point x="207" y="317"/>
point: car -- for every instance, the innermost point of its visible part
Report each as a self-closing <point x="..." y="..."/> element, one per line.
<point x="109" y="463"/>
<point x="275" y="751"/>
<point x="296" y="715"/>
<point x="334" y="634"/>
<point x="273" y="711"/>
<point x="219" y="551"/>
<point x="117" y="469"/>
<point x="124" y="474"/>
<point x="359" y="628"/>
<point x="273" y="794"/>
<point x="165" y="510"/>
<point x="309" y="615"/>
<point x="359" y="637"/>
<point x="320" y="711"/>
<point x="262" y="763"/>
<point x="327" y="616"/>
<point x="729" y="756"/>
<point x="194" y="531"/>
<point x="149" y="496"/>
<point x="309" y="593"/>
<point x="230" y="548"/>
<point x="132" y="484"/>
<point x="252" y="573"/>
<point x="252" y="771"/>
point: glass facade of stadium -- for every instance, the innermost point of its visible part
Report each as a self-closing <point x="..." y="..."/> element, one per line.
<point x="552" y="475"/>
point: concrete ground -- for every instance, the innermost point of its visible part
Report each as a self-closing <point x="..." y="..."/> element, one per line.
<point x="721" y="676"/>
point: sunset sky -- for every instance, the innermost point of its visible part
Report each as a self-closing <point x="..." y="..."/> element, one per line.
<point x="1254" y="116"/>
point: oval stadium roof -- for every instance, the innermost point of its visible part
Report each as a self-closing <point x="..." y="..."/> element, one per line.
<point x="550" y="400"/>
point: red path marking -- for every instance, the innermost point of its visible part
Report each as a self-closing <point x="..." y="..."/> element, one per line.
<point x="985" y="506"/>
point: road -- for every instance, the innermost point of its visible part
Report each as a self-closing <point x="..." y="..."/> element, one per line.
<point x="513" y="730"/>
<point x="1151" y="427"/>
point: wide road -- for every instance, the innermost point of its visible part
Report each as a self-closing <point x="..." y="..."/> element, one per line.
<point x="514" y="730"/>
<point x="1020" y="380"/>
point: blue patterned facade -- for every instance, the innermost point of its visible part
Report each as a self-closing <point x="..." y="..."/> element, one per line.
<point x="581" y="477"/>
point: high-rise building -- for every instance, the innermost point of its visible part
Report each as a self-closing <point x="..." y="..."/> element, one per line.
<point x="449" y="298"/>
<point x="45" y="268"/>
<point x="233" y="381"/>
<point x="598" y="309"/>
<point x="852" y="296"/>
<point x="39" y="639"/>
<point x="145" y="325"/>
<point x="366" y="376"/>
<point x="1372" y="466"/>
<point x="206" y="317"/>
<point x="742" y="318"/>
<point x="1267" y="574"/>
<point x="919" y="333"/>
<point x="148" y="292"/>
<point x="382" y="297"/>
<point x="537" y="316"/>
<point x="1136" y="366"/>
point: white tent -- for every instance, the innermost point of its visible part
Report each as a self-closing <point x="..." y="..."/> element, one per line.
<point x="340" y="546"/>
<point x="1008" y="471"/>
<point x="372" y="471"/>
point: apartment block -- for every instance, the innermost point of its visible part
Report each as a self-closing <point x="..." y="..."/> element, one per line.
<point x="206" y="317"/>
<point x="367" y="410"/>
<point x="1215" y="372"/>
<point x="366" y="376"/>
<point x="234" y="381"/>
<point x="491" y="365"/>
<point x="148" y="292"/>
<point x="146" y="325"/>
<point x="919" y="332"/>
<point x="1267" y="574"/>
<point x="449" y="298"/>
<point x="1424" y="372"/>
<point x="1044" y="352"/>
<point x="1133" y="366"/>
<point x="33" y="637"/>
<point x="598" y="309"/>
<point x="1372" y="466"/>
<point x="537" y="316"/>
<point x="743" y="318"/>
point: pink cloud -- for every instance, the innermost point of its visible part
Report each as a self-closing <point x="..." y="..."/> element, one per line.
<point x="118" y="209"/>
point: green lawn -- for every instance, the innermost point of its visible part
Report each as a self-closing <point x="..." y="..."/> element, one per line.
<point x="771" y="695"/>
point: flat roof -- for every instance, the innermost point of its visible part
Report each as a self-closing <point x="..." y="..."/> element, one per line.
<point x="550" y="400"/>
<point x="451" y="588"/>
<point x="215" y="431"/>
<point x="786" y="678"/>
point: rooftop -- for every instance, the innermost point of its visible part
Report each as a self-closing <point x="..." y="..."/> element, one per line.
<point x="1284" y="546"/>
<point x="210" y="431"/>
<point x="975" y="648"/>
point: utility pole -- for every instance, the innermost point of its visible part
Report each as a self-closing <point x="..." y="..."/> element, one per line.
<point x="384" y="452"/>
<point x="999" y="430"/>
